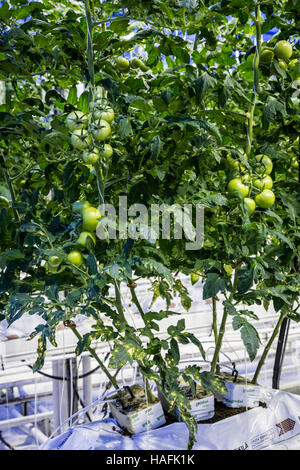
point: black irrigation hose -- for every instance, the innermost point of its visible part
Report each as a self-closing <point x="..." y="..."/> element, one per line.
<point x="67" y="378"/>
<point x="55" y="377"/>
<point x="280" y="352"/>
<point x="5" y="442"/>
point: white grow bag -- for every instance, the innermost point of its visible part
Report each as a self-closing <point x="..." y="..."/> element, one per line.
<point x="257" y="428"/>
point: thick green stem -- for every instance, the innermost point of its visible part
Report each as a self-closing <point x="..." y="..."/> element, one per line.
<point x="267" y="348"/>
<point x="100" y="183"/>
<point x="119" y="302"/>
<point x="89" y="49"/>
<point x="223" y="324"/>
<point x="255" y="81"/>
<point x="95" y="356"/>
<point x="215" y="326"/>
<point x="91" y="84"/>
<point x="149" y="395"/>
<point x="135" y="300"/>
<point x="219" y="342"/>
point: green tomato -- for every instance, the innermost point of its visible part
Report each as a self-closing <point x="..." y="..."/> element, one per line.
<point x="80" y="139"/>
<point x="83" y="238"/>
<point x="123" y="64"/>
<point x="75" y="258"/>
<point x="194" y="278"/>
<point x="283" y="50"/>
<point x="78" y="206"/>
<point x="265" y="199"/>
<point x="249" y="204"/>
<point x="233" y="163"/>
<point x="263" y="164"/>
<point x="54" y="261"/>
<point x="136" y="63"/>
<point x="295" y="163"/>
<point x="263" y="183"/>
<point x="54" y="270"/>
<point x="236" y="186"/>
<point x="77" y="120"/>
<point x="266" y="56"/>
<point x="90" y="219"/>
<point x="91" y="157"/>
<point x="107" y="151"/>
<point x="101" y="130"/>
<point x="282" y="64"/>
<point x="106" y="114"/>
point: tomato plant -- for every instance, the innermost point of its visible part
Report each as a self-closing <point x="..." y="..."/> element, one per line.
<point x="201" y="117"/>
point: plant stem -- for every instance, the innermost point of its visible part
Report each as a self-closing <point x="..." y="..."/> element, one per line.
<point x="91" y="82"/>
<point x="255" y="81"/>
<point x="223" y="324"/>
<point x="215" y="327"/>
<point x="89" y="50"/>
<point x="219" y="342"/>
<point x="136" y="302"/>
<point x="100" y="183"/>
<point x="149" y="395"/>
<point x="119" y="302"/>
<point x="267" y="348"/>
<point x="95" y="356"/>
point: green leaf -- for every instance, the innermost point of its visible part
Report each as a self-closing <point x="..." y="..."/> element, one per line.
<point x="156" y="146"/>
<point x="175" y="350"/>
<point x="214" y="283"/>
<point x="203" y="84"/>
<point x="249" y="335"/>
<point x="245" y="279"/>
<point x="189" y="5"/>
<point x="196" y="342"/>
<point x="72" y="95"/>
<point x="272" y="107"/>
<point x="92" y="264"/>
<point x="83" y="102"/>
<point x="125" y="128"/>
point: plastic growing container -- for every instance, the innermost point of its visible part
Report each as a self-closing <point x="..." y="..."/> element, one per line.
<point x="241" y="394"/>
<point x="132" y="411"/>
<point x="202" y="404"/>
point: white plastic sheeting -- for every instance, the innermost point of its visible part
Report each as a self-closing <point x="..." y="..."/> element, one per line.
<point x="274" y="427"/>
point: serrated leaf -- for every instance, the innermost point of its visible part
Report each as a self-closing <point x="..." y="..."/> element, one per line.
<point x="249" y="335"/>
<point x="92" y="264"/>
<point x="245" y="279"/>
<point x="214" y="283"/>
<point x="72" y="95"/>
<point x="271" y="109"/>
<point x="125" y="128"/>
<point x="189" y="5"/>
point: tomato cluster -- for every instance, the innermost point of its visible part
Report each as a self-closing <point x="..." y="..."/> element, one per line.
<point x="260" y="182"/>
<point x="282" y="52"/>
<point x="90" y="130"/>
<point x="90" y="220"/>
<point x="123" y="65"/>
